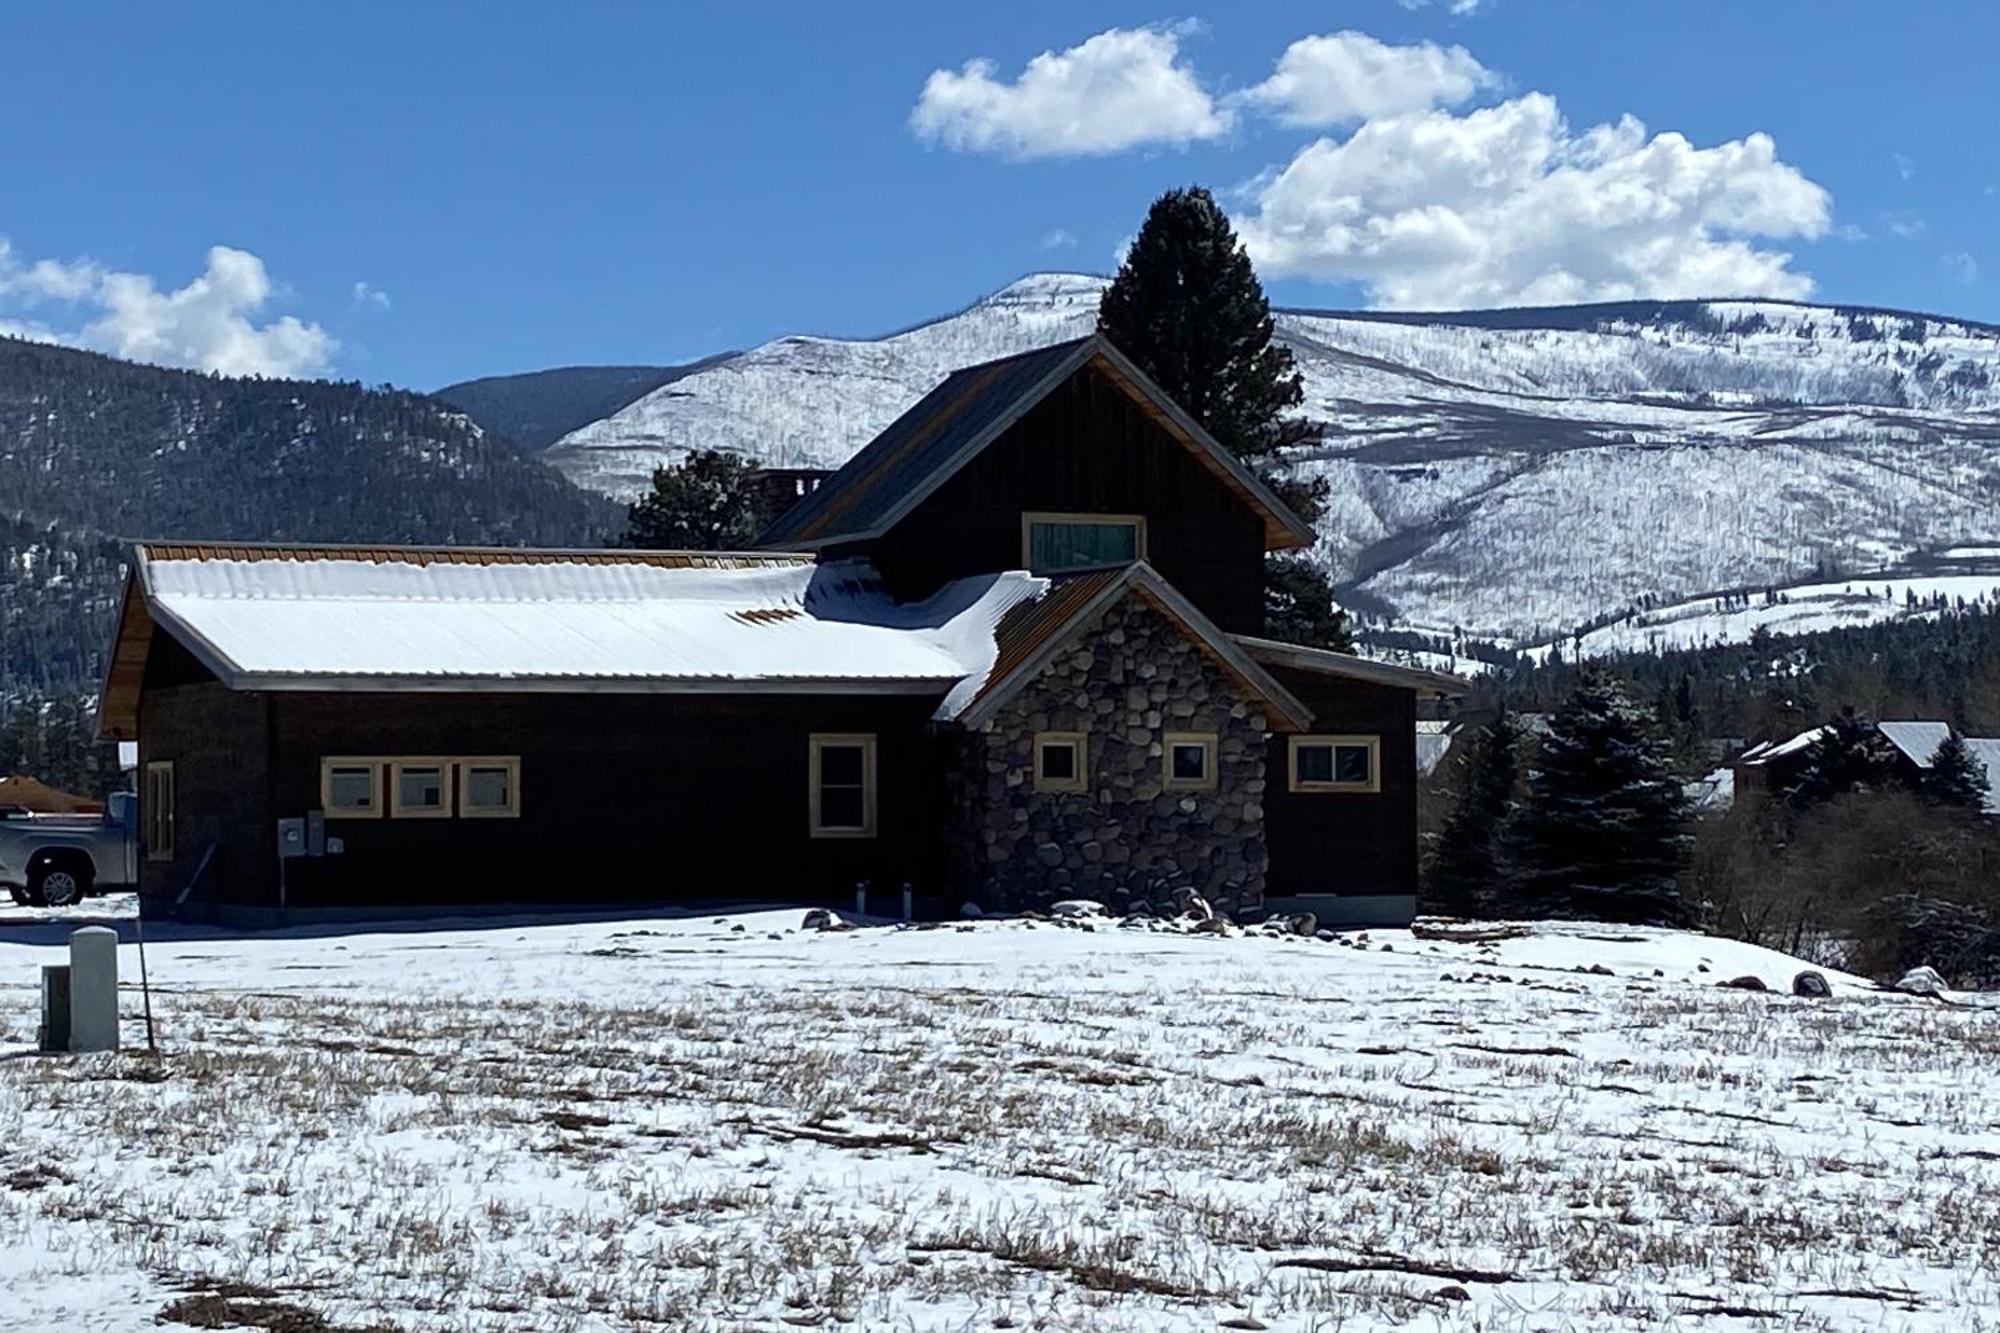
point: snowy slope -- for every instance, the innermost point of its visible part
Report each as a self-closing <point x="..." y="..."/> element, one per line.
<point x="1513" y="473"/>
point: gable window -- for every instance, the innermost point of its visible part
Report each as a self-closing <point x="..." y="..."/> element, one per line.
<point x="1061" y="761"/>
<point x="159" y="810"/>
<point x="1056" y="543"/>
<point x="420" y="789"/>
<point x="351" y="788"/>
<point x="489" y="788"/>
<point x="1336" y="763"/>
<point x="842" y="786"/>
<point x="1189" y="760"/>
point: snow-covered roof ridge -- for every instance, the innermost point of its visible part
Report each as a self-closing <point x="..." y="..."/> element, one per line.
<point x="351" y="619"/>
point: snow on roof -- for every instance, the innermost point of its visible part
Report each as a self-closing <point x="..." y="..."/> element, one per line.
<point x="1433" y="744"/>
<point x="354" y="619"/>
<point x="1769" y="750"/>
<point x="1917" y="740"/>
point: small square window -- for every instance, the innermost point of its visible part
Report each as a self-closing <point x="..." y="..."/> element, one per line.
<point x="1190" y="761"/>
<point x="421" y="790"/>
<point x="489" y="788"/>
<point x="1336" y="764"/>
<point x="1061" y="762"/>
<point x="350" y="788"/>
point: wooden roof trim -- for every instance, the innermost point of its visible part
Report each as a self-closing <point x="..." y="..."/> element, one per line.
<point x="1021" y="665"/>
<point x="125" y="667"/>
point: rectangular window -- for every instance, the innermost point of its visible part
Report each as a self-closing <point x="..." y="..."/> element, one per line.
<point x="842" y="786"/>
<point x="489" y="788"/>
<point x="1056" y="543"/>
<point x="351" y="788"/>
<point x="420" y="789"/>
<point x="1336" y="763"/>
<point x="1189" y="760"/>
<point x="1061" y="761"/>
<point x="159" y="811"/>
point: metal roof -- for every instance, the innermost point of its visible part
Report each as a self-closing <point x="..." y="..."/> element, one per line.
<point x="949" y="426"/>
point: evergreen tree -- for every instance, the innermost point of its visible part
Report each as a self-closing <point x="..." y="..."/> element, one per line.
<point x="1849" y="754"/>
<point x="1603" y="832"/>
<point x="1186" y="306"/>
<point x="1299" y="605"/>
<point x="1956" y="778"/>
<point x="705" y="503"/>
<point x="1466" y="872"/>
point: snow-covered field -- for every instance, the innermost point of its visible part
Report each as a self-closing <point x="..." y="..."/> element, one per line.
<point x="732" y="1123"/>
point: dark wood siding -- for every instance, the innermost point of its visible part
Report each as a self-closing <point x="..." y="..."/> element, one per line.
<point x="218" y="743"/>
<point x="1087" y="448"/>
<point x="1345" y="843"/>
<point x="637" y="797"/>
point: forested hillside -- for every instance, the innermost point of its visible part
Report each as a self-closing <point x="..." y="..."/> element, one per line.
<point x="95" y="450"/>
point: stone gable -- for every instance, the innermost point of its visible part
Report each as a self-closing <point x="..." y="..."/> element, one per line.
<point x="1127" y="840"/>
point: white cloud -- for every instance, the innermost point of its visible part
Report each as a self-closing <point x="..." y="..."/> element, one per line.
<point x="1123" y="88"/>
<point x="1903" y="224"/>
<point x="1906" y="166"/>
<point x="368" y="294"/>
<point x="206" y="325"/>
<point x="1460" y="7"/>
<point x="1506" y="205"/>
<point x="1058" y="238"/>
<point x="1963" y="266"/>
<point x="1344" y="77"/>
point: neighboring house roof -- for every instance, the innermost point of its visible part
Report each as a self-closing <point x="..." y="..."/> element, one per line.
<point x="1033" y="633"/>
<point x="1917" y="740"/>
<point x="1298" y="657"/>
<point x="1434" y="740"/>
<point x="920" y="450"/>
<point x="407" y="618"/>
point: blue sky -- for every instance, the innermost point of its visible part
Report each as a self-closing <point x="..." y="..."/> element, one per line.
<point x="420" y="193"/>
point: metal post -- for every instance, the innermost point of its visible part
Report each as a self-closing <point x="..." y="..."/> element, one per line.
<point x="907" y="913"/>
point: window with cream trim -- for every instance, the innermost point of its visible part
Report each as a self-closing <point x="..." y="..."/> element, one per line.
<point x="420" y="789"/>
<point x="351" y="788"/>
<point x="841" y="786"/>
<point x="1336" y="764"/>
<point x="1057" y="543"/>
<point x="489" y="788"/>
<point x="1188" y="761"/>
<point x="1061" y="761"/>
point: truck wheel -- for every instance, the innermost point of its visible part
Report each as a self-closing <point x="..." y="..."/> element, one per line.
<point x="57" y="886"/>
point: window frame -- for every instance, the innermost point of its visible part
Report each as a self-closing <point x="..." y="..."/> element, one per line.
<point x="374" y="764"/>
<point x="817" y="744"/>
<point x="510" y="762"/>
<point x="1030" y="517"/>
<point x="1372" y="743"/>
<point x="443" y="810"/>
<point x="150" y="810"/>
<point x="1078" y="743"/>
<point x="1211" y="748"/>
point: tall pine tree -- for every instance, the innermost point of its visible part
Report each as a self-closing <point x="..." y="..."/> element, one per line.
<point x="1466" y="872"/>
<point x="1186" y="306"/>
<point x="1849" y="754"/>
<point x="1603" y="831"/>
<point x="707" y="502"/>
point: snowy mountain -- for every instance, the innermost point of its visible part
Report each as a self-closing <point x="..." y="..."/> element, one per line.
<point x="1516" y="474"/>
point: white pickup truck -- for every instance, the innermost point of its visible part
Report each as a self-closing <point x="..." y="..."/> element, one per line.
<point x="55" y="860"/>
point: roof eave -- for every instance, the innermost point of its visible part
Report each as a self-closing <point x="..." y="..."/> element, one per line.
<point x="1347" y="664"/>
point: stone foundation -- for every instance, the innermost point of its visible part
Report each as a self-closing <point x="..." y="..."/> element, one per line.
<point x="1127" y="840"/>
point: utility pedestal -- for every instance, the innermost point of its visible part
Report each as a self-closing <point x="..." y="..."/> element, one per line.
<point x="93" y="989"/>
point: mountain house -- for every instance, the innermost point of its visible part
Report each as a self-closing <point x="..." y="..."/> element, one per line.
<point x="1012" y="652"/>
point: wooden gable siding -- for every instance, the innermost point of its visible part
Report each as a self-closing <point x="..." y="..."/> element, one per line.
<point x="1086" y="448"/>
<point x="1345" y="843"/>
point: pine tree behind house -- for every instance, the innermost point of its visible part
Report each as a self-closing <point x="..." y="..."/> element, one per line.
<point x="1849" y="754"/>
<point x="707" y="502"/>
<point x="1603" y="832"/>
<point x="1187" y="307"/>
<point x="1466" y="874"/>
<point x="1956" y="779"/>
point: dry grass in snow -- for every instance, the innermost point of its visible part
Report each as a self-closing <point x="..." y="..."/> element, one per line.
<point x="736" y="1125"/>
